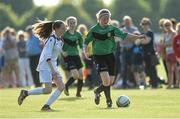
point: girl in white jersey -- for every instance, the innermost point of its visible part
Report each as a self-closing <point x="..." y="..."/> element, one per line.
<point x="51" y="32"/>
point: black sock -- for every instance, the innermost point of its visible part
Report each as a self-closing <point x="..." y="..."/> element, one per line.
<point x="100" y="89"/>
<point x="79" y="85"/>
<point x="70" y="81"/>
<point x="107" y="92"/>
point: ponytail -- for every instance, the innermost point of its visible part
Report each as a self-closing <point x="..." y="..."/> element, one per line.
<point x="43" y="29"/>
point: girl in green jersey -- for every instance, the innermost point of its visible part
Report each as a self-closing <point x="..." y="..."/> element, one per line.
<point x="103" y="36"/>
<point x="73" y="42"/>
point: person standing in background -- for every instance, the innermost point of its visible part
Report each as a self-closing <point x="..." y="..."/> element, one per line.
<point x="11" y="57"/>
<point x="25" y="76"/>
<point x="34" y="48"/>
<point x="176" y="48"/>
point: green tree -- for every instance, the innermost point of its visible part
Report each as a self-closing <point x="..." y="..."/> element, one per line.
<point x="92" y="7"/>
<point x="172" y="9"/>
<point x="31" y="17"/>
<point x="65" y="10"/>
<point x="7" y="17"/>
<point x="132" y="8"/>
<point x="19" y="6"/>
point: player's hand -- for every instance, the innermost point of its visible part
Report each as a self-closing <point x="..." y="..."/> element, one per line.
<point x="86" y="55"/>
<point x="141" y="36"/>
<point x="137" y="42"/>
<point x="65" y="54"/>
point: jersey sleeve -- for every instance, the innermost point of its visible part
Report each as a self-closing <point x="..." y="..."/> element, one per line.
<point x="48" y="48"/>
<point x="119" y="33"/>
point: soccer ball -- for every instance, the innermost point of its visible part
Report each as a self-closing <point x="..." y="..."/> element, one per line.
<point x="123" y="101"/>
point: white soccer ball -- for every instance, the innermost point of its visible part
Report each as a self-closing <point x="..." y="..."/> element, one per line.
<point x="123" y="101"/>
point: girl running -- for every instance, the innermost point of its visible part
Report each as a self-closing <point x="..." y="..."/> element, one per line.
<point x="51" y="32"/>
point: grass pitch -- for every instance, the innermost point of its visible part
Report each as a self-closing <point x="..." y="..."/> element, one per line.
<point x="149" y="103"/>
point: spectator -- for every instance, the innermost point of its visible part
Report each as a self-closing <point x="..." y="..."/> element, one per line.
<point x="11" y="57"/>
<point x="127" y="74"/>
<point x="170" y="56"/>
<point x="24" y="68"/>
<point x="34" y="50"/>
<point x="149" y="55"/>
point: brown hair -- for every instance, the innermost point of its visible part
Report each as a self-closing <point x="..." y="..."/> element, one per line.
<point x="44" y="28"/>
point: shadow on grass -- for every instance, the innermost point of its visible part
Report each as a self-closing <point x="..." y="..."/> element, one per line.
<point x="71" y="98"/>
<point x="105" y="108"/>
<point x="49" y="111"/>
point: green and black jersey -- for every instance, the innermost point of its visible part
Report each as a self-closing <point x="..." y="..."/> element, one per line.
<point x="72" y="41"/>
<point x="103" y="38"/>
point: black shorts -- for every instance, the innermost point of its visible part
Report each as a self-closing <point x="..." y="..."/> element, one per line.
<point x="73" y="62"/>
<point x="105" y="63"/>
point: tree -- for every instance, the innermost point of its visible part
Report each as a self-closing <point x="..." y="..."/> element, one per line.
<point x="172" y="9"/>
<point x="92" y="7"/>
<point x="31" y="17"/>
<point x="61" y="13"/>
<point x="132" y="8"/>
<point x="7" y="17"/>
<point x="19" y="6"/>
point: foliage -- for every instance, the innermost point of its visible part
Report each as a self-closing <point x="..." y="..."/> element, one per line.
<point x="19" y="13"/>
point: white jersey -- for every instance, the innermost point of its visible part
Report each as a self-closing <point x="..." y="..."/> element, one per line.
<point x="51" y="50"/>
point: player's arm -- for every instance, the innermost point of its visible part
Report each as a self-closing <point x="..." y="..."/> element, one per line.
<point x="127" y="37"/>
<point x="88" y="39"/>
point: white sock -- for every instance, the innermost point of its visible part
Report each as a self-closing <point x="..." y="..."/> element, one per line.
<point x="53" y="96"/>
<point x="35" y="91"/>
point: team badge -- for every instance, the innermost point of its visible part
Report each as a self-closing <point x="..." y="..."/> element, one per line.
<point x="109" y="34"/>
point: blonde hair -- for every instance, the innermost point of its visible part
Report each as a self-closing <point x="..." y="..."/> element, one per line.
<point x="145" y="20"/>
<point x="167" y="21"/>
<point x="71" y="18"/>
<point x="161" y="21"/>
<point x="103" y="12"/>
<point x="178" y="27"/>
<point x="81" y="26"/>
<point x="127" y="17"/>
<point x="20" y="33"/>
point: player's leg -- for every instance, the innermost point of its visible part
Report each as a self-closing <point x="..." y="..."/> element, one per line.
<point x="45" y="78"/>
<point x="79" y="83"/>
<point x="57" y="92"/>
<point x="106" y="86"/>
<point x="74" y="73"/>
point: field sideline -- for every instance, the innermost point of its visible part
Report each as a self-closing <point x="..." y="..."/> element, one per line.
<point x="150" y="103"/>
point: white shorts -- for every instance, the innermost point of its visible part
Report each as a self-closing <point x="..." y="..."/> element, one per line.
<point x="45" y="76"/>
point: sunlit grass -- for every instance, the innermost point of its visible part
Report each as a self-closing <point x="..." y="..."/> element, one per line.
<point x="150" y="103"/>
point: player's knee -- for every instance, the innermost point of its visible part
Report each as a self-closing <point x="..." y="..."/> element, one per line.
<point x="62" y="87"/>
<point x="47" y="90"/>
<point x="106" y="83"/>
<point x="76" y="76"/>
